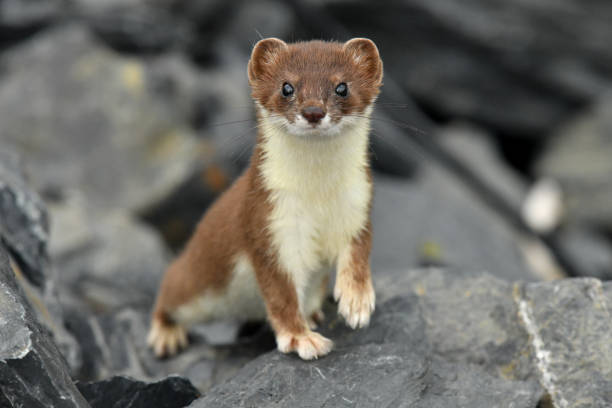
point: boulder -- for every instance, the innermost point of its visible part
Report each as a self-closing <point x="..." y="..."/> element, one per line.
<point x="475" y="148"/>
<point x="19" y="19"/>
<point x="106" y="261"/>
<point x="587" y="250"/>
<point x="124" y="392"/>
<point x="115" y="344"/>
<point x="24" y="229"/>
<point x="578" y="157"/>
<point x="364" y="376"/>
<point x="90" y="120"/>
<point x="33" y="373"/>
<point x="134" y="26"/>
<point x="427" y="345"/>
<point x="433" y="219"/>
<point x="443" y="337"/>
<point x="24" y="225"/>
<point x="569" y="325"/>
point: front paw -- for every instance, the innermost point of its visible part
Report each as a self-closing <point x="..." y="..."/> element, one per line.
<point x="308" y="345"/>
<point x="355" y="301"/>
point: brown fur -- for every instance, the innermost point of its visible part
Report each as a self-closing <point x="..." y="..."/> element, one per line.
<point x="237" y="222"/>
<point x="315" y="68"/>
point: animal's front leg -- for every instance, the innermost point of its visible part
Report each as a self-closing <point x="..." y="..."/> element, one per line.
<point x="353" y="290"/>
<point x="282" y="305"/>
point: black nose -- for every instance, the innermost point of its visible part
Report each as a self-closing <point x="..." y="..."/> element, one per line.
<point x="313" y="114"/>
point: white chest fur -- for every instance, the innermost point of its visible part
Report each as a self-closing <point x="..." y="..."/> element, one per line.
<point x="320" y="193"/>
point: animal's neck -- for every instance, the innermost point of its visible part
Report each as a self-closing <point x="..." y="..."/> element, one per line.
<point x="324" y="163"/>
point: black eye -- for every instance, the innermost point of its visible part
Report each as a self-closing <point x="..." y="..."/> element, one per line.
<point x="287" y="89"/>
<point x="342" y="89"/>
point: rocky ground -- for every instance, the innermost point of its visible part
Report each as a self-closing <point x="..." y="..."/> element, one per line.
<point x="121" y="121"/>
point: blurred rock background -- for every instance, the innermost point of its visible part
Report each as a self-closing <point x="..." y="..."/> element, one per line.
<point x="122" y="120"/>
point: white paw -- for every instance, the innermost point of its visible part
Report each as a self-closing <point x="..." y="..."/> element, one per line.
<point x="308" y="345"/>
<point x="355" y="302"/>
<point x="166" y="340"/>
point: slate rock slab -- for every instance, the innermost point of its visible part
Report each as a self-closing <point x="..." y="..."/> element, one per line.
<point x="24" y="224"/>
<point x="447" y="338"/>
<point x="32" y="371"/>
<point x="440" y="338"/>
<point x="115" y="344"/>
<point x="382" y="375"/>
<point x="433" y="219"/>
<point x="24" y="228"/>
<point x="125" y="392"/>
<point x="570" y="327"/>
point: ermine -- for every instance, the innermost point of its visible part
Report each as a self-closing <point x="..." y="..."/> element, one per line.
<point x="266" y="247"/>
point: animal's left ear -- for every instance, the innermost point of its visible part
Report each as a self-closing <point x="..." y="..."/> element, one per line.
<point x="365" y="54"/>
<point x="263" y="56"/>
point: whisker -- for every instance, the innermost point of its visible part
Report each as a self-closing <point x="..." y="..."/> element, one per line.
<point x="233" y="122"/>
<point x="413" y="146"/>
<point x="402" y="125"/>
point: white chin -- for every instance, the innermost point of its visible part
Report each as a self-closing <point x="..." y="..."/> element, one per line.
<point x="301" y="127"/>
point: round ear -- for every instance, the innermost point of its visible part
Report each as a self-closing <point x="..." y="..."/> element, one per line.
<point x="365" y="54"/>
<point x="264" y="53"/>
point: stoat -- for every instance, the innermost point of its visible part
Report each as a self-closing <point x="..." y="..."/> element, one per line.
<point x="302" y="208"/>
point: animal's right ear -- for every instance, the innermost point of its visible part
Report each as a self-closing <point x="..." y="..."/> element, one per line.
<point x="263" y="55"/>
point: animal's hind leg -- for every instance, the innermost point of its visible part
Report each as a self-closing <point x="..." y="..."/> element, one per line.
<point x="166" y="337"/>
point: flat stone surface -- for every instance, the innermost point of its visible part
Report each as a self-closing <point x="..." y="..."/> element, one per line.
<point x="518" y="341"/>
<point x="363" y="376"/>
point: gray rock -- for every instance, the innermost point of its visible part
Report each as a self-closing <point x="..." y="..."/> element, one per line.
<point x="24" y="229"/>
<point x="476" y="149"/>
<point x="256" y="20"/>
<point x="433" y="219"/>
<point x="386" y="375"/>
<point x="578" y="157"/>
<point x="441" y="338"/>
<point x="450" y="333"/>
<point x="23" y="15"/>
<point x="569" y="326"/>
<point x="105" y="261"/>
<point x="536" y="35"/>
<point x="135" y="26"/>
<point x="461" y="76"/>
<point x="94" y="123"/>
<point x="472" y="319"/>
<point x="589" y="251"/>
<point x="32" y="371"/>
<point x="462" y="317"/>
<point x="115" y="344"/>
<point x="124" y="392"/>
<point x="24" y="225"/>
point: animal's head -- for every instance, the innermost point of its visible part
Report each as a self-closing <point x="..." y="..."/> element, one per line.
<point x="315" y="87"/>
